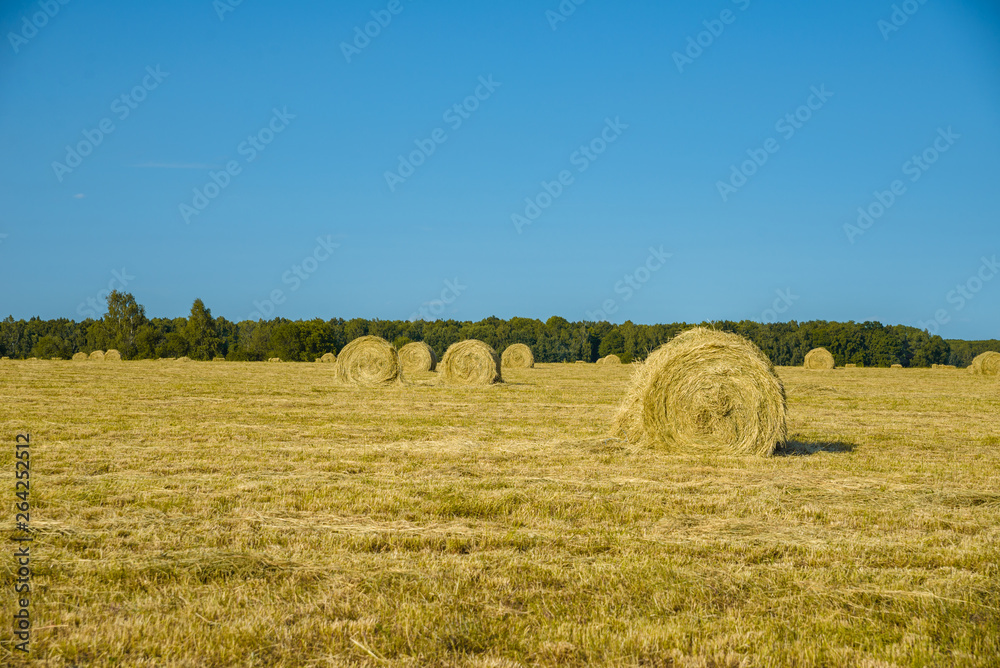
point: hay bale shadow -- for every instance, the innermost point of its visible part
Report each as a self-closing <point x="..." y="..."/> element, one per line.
<point x="795" y="448"/>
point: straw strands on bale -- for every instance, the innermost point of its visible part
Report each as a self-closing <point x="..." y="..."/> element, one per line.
<point x="819" y="358"/>
<point x="706" y="390"/>
<point x="112" y="356"/>
<point x="80" y="357"/>
<point x="369" y="360"/>
<point x="328" y="358"/>
<point x="97" y="355"/>
<point x="517" y="356"/>
<point x="987" y="364"/>
<point x="417" y="356"/>
<point x="471" y="362"/>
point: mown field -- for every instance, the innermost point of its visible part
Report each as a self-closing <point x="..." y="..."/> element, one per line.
<point x="253" y="514"/>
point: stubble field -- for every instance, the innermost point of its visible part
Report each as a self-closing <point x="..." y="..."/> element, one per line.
<point x="218" y="514"/>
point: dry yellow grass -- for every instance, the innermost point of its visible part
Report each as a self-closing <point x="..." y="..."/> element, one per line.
<point x="819" y="359"/>
<point x="247" y="514"/>
<point x="705" y="390"/>
<point x="471" y="362"/>
<point x="517" y="356"/>
<point x="417" y="357"/>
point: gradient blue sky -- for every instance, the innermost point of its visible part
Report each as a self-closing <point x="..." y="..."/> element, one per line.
<point x="656" y="185"/>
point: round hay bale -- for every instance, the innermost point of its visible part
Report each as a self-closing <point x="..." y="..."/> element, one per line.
<point x="987" y="364"/>
<point x="517" y="356"/>
<point x="80" y="357"/>
<point x="182" y="359"/>
<point x="599" y="361"/>
<point x="274" y="359"/>
<point x="218" y="359"/>
<point x="706" y="390"/>
<point x="97" y="356"/>
<point x="328" y="358"/>
<point x="370" y="361"/>
<point x="471" y="362"/>
<point x="112" y="356"/>
<point x="417" y="356"/>
<point x="612" y="359"/>
<point x="850" y="366"/>
<point x="819" y="358"/>
<point x="896" y="366"/>
<point x="4" y="359"/>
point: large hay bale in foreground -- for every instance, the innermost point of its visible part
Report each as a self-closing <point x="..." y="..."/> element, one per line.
<point x="417" y="356"/>
<point x="706" y="390"/>
<point x="328" y="358"/>
<point x="987" y="364"/>
<point x="819" y="358"/>
<point x="471" y="362"/>
<point x="97" y="356"/>
<point x="612" y="359"/>
<point x="369" y="360"/>
<point x="80" y="357"/>
<point x="517" y="356"/>
<point x="112" y="356"/>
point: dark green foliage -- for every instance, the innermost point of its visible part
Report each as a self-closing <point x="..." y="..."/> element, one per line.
<point x="203" y="337"/>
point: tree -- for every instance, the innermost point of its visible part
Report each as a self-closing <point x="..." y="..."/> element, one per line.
<point x="122" y="322"/>
<point x="201" y="333"/>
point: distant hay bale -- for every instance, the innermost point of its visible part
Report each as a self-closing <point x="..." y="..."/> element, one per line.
<point x="55" y="359"/>
<point x="274" y="359"/>
<point x="471" y="362"/>
<point x="97" y="356"/>
<point x="218" y="359"/>
<point x="819" y="358"/>
<point x="600" y="360"/>
<point x="166" y="359"/>
<point x="328" y="358"/>
<point x="987" y="364"/>
<point x="182" y="359"/>
<point x="417" y="356"/>
<point x="517" y="356"/>
<point x="581" y="361"/>
<point x="4" y="359"/>
<point x="706" y="390"/>
<point x="81" y="357"/>
<point x="369" y="361"/>
<point x="612" y="359"/>
<point x="32" y="359"/>
<point x="850" y="366"/>
<point x="896" y="366"/>
<point x="112" y="356"/>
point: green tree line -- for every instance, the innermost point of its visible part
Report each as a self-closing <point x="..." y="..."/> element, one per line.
<point x="201" y="336"/>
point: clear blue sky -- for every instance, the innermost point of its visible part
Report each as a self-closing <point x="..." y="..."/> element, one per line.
<point x="216" y="78"/>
